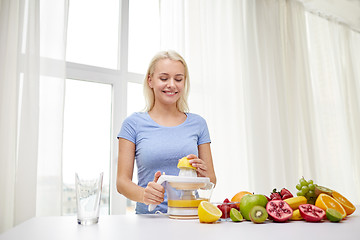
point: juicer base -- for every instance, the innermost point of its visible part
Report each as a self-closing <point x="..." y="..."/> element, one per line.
<point x="183" y="217"/>
<point x="181" y="211"/>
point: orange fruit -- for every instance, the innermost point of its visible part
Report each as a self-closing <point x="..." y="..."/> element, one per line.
<point x="237" y="197"/>
<point x="347" y="205"/>
<point x="324" y="202"/>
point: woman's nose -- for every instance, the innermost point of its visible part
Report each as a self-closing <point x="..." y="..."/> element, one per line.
<point x="171" y="82"/>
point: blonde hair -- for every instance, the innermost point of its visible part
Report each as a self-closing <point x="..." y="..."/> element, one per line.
<point x="181" y="104"/>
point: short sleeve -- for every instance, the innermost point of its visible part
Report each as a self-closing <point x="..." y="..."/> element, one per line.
<point x="204" y="136"/>
<point x="128" y="129"/>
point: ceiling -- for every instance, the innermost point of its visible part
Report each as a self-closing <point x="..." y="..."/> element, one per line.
<point x="344" y="11"/>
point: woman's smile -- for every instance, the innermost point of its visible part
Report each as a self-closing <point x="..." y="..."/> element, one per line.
<point x="170" y="93"/>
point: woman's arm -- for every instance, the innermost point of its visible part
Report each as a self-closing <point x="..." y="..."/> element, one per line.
<point x="152" y="194"/>
<point x="204" y="163"/>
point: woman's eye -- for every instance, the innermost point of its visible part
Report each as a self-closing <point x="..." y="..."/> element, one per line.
<point x="163" y="79"/>
<point x="178" y="80"/>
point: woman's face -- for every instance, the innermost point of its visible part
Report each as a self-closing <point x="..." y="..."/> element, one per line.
<point x="168" y="81"/>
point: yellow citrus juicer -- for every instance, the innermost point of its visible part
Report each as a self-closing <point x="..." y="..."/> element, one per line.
<point x="185" y="191"/>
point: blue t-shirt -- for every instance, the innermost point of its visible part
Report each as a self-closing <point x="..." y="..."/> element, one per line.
<point x="158" y="148"/>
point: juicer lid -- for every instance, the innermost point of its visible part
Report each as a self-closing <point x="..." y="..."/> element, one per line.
<point x="172" y="178"/>
<point x="186" y="183"/>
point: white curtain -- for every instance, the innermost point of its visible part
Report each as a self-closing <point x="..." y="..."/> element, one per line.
<point x="335" y="60"/>
<point x="53" y="25"/>
<point x="172" y="25"/>
<point x="23" y="46"/>
<point x="19" y="63"/>
<point x="260" y="76"/>
<point x="240" y="56"/>
<point x="217" y="86"/>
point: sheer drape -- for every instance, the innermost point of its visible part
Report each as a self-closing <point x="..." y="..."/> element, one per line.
<point x="24" y="43"/>
<point x="8" y="109"/>
<point x="246" y="91"/>
<point x="53" y="25"/>
<point x="274" y="112"/>
<point x="172" y="25"/>
<point x="335" y="83"/>
<point x="19" y="63"/>
<point x="217" y="86"/>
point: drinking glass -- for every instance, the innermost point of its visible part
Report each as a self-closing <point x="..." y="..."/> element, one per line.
<point x="88" y="195"/>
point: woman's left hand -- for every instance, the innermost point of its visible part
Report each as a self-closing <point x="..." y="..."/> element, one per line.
<point x="199" y="164"/>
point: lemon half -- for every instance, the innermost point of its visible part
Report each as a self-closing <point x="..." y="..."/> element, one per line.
<point x="184" y="163"/>
<point x="208" y="213"/>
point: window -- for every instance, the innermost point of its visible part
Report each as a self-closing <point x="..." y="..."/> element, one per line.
<point x="109" y="45"/>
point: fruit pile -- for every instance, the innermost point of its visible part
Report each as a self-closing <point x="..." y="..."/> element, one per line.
<point x="313" y="203"/>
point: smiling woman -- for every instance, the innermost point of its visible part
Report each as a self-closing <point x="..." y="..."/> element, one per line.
<point x="158" y="138"/>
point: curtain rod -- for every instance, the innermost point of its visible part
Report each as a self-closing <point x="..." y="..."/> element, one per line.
<point x="332" y="19"/>
<point x="328" y="17"/>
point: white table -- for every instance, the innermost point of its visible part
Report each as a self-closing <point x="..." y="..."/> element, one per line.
<point x="161" y="227"/>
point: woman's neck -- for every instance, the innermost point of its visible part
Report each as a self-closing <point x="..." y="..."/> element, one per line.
<point x="165" y="110"/>
<point x="167" y="116"/>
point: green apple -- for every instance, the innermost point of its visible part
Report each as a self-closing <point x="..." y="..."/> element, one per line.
<point x="249" y="201"/>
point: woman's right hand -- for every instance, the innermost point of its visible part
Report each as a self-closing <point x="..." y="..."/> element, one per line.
<point x="154" y="192"/>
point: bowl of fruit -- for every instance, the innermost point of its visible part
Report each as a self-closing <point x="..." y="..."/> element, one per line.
<point x="226" y="209"/>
